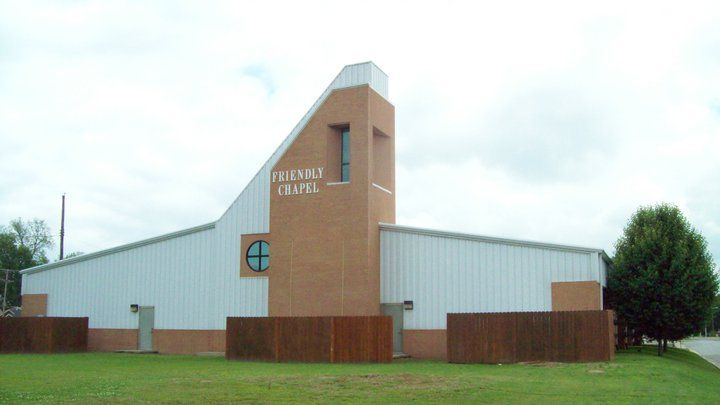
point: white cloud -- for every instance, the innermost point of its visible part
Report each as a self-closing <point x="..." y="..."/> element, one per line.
<point x="549" y="121"/>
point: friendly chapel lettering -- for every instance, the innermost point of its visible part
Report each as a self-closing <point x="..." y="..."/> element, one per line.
<point x="297" y="181"/>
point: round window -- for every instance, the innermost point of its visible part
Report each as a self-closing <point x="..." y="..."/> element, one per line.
<point x="258" y="256"/>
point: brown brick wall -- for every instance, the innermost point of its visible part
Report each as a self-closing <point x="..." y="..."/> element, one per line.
<point x="175" y="341"/>
<point x="576" y="296"/>
<point x="166" y="341"/>
<point x="425" y="344"/>
<point x="34" y="304"/>
<point x="325" y="245"/>
<point x="108" y="340"/>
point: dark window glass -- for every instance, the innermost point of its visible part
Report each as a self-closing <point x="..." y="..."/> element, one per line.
<point x="345" y="155"/>
<point x="258" y="256"/>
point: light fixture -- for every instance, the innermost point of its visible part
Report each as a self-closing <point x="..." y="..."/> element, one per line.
<point x="408" y="305"/>
<point x="134" y="308"/>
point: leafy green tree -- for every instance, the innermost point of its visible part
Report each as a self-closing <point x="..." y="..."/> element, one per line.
<point x="23" y="244"/>
<point x="34" y="235"/>
<point x="663" y="282"/>
<point x="13" y="257"/>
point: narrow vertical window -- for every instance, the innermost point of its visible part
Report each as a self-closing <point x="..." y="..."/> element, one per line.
<point x="345" y="156"/>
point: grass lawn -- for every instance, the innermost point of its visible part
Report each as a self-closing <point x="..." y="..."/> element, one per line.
<point x="679" y="377"/>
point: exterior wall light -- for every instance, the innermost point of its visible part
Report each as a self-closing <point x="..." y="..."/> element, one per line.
<point x="134" y="308"/>
<point x="408" y="305"/>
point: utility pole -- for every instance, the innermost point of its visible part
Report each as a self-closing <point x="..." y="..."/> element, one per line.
<point x="62" y="227"/>
<point x="7" y="278"/>
<point x="7" y="282"/>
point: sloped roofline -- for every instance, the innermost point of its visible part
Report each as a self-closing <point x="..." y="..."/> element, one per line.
<point x="345" y="79"/>
<point x="121" y="248"/>
<point x="491" y="239"/>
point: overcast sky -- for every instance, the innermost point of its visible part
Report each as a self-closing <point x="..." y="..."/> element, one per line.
<point x="540" y="120"/>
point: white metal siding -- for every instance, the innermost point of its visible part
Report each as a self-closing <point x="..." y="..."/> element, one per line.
<point x="184" y="278"/>
<point x="604" y="269"/>
<point x="443" y="274"/>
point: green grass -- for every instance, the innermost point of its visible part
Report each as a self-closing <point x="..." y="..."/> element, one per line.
<point x="679" y="377"/>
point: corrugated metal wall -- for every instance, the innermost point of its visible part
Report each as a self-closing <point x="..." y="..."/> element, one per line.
<point x="184" y="278"/>
<point x="192" y="279"/>
<point x="442" y="274"/>
<point x="604" y="269"/>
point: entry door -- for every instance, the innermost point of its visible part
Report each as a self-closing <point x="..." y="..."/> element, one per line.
<point x="146" y="323"/>
<point x="396" y="312"/>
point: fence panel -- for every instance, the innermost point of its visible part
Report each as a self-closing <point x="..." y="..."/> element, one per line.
<point x="362" y="339"/>
<point x="304" y="339"/>
<point x="43" y="335"/>
<point x="575" y="336"/>
<point x="254" y="339"/>
<point x="310" y="339"/>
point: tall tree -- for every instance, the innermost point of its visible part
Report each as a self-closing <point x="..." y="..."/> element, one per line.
<point x="663" y="282"/>
<point x="34" y="235"/>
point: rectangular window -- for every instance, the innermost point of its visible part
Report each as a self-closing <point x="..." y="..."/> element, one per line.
<point x="345" y="155"/>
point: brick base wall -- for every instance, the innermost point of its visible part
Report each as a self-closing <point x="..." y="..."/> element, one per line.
<point x="166" y="341"/>
<point x="178" y="341"/>
<point x="425" y="344"/>
<point x="108" y="340"/>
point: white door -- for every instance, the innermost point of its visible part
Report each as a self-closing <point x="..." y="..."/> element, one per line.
<point x="396" y="312"/>
<point x="146" y="323"/>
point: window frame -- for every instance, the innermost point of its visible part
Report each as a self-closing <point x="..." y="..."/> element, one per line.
<point x="259" y="256"/>
<point x="345" y="157"/>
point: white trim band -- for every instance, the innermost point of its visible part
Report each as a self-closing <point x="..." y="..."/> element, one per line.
<point x="382" y="188"/>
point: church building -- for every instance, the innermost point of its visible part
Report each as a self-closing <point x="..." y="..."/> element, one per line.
<point x="313" y="234"/>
